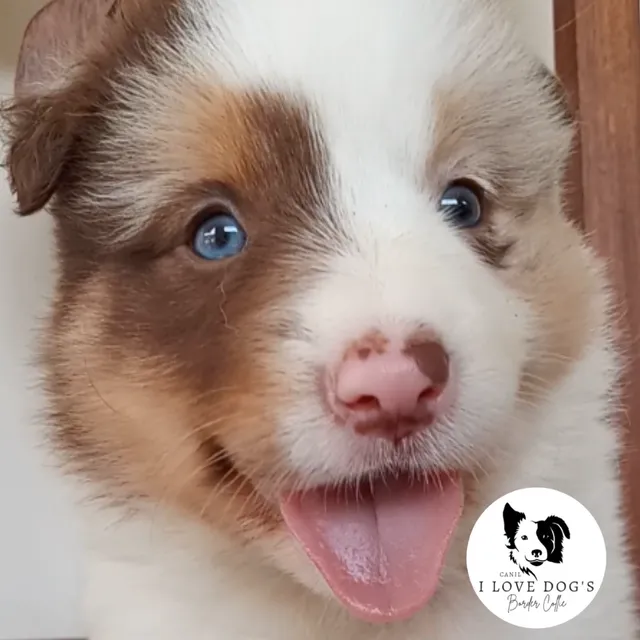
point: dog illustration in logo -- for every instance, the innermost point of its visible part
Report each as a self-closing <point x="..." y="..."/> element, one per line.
<point x="533" y="542"/>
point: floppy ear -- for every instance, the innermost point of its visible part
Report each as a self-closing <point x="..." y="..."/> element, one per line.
<point x="559" y="525"/>
<point x="41" y="133"/>
<point x="43" y="118"/>
<point x="512" y="520"/>
<point x="56" y="39"/>
<point x="560" y="531"/>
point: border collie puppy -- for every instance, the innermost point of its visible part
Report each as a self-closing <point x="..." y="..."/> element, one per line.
<point x="317" y="308"/>
<point x="534" y="542"/>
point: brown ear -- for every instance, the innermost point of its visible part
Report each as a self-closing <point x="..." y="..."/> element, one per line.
<point x="43" y="119"/>
<point x="56" y="39"/>
<point x="41" y="133"/>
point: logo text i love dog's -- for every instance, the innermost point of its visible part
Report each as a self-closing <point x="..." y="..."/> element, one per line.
<point x="536" y="558"/>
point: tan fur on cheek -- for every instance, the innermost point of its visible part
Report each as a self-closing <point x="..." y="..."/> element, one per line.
<point x="553" y="271"/>
<point x="137" y="431"/>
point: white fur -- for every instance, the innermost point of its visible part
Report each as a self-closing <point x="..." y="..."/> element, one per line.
<point x="370" y="68"/>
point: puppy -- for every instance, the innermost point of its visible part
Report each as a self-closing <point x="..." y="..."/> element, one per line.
<point x="532" y="543"/>
<point x="317" y="307"/>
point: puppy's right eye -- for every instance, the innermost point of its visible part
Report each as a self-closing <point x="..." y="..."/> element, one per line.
<point x="218" y="237"/>
<point x="525" y="537"/>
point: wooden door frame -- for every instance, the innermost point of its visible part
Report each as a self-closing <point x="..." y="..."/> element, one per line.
<point x="598" y="61"/>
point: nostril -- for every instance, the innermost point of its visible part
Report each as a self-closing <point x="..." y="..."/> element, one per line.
<point x="364" y="403"/>
<point x="429" y="393"/>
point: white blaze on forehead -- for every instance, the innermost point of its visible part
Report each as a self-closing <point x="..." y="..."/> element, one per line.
<point x="369" y="68"/>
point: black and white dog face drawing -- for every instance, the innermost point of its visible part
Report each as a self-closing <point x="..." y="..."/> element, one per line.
<point x="534" y="542"/>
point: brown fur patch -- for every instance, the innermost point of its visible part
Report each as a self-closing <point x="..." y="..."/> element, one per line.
<point x="56" y="39"/>
<point x="159" y="364"/>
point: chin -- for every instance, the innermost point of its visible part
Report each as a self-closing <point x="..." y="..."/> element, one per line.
<point x="318" y="306"/>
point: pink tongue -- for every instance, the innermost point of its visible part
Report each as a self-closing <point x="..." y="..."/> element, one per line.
<point x="382" y="551"/>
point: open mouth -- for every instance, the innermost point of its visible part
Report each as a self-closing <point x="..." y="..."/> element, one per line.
<point x="380" y="546"/>
<point x="536" y="563"/>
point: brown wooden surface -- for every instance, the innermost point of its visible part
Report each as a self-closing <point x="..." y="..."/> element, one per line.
<point x="567" y="70"/>
<point x="598" y="60"/>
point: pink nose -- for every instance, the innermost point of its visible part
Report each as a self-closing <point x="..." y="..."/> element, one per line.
<point x="391" y="392"/>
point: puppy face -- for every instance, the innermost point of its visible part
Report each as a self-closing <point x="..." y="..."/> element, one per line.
<point x="534" y="542"/>
<point x="243" y="206"/>
<point x="529" y="544"/>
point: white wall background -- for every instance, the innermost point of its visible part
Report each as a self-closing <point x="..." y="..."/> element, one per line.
<point x="40" y="569"/>
<point x="535" y="21"/>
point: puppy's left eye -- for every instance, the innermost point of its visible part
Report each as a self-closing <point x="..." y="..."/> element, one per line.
<point x="220" y="236"/>
<point x="525" y="537"/>
<point x="461" y="203"/>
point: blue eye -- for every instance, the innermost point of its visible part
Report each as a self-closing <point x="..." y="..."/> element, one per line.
<point x="219" y="237"/>
<point x="461" y="205"/>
